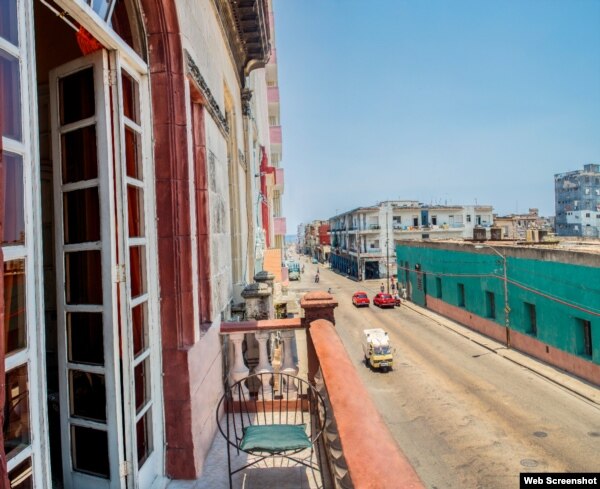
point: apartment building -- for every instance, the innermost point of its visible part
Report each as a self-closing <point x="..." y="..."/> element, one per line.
<point x="363" y="239"/>
<point x="577" y="202"/>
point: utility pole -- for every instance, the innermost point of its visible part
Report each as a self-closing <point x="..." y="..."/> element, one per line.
<point x="387" y="248"/>
<point x="505" y="279"/>
<point x="358" y="250"/>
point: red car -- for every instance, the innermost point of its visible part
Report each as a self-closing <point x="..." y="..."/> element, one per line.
<point x="360" y="299"/>
<point x="384" y="300"/>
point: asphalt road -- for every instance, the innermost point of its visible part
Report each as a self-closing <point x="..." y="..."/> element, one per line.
<point x="464" y="416"/>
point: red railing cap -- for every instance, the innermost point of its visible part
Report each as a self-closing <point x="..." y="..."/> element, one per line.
<point x="373" y="457"/>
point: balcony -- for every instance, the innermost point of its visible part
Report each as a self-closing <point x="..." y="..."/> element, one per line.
<point x="279" y="226"/>
<point x="353" y="426"/>
<point x="275" y="135"/>
<point x="373" y="251"/>
<point x="279" y="180"/>
<point x="273" y="95"/>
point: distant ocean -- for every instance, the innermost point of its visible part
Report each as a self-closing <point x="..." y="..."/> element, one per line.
<point x="290" y="238"/>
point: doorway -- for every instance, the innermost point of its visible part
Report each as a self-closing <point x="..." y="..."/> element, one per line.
<point x="103" y="362"/>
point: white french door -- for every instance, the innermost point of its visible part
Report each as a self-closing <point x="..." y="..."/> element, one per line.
<point x="109" y="419"/>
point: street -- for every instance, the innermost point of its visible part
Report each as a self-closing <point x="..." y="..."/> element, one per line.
<point x="464" y="416"/>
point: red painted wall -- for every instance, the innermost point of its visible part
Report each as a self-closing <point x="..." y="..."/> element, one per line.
<point x="170" y="126"/>
<point x="324" y="237"/>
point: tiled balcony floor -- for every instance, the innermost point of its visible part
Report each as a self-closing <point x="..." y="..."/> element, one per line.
<point x="270" y="473"/>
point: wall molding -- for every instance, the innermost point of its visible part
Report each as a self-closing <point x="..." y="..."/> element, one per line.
<point x="211" y="103"/>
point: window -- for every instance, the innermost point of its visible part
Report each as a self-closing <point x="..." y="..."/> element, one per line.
<point x="434" y="220"/>
<point x="468" y="217"/>
<point x="461" y="295"/>
<point x="415" y="220"/>
<point x="438" y="287"/>
<point x="587" y="214"/>
<point x="490" y="304"/>
<point x="583" y="337"/>
<point x="530" y="319"/>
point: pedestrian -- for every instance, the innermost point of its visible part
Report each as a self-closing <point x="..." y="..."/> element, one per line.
<point x="381" y="287"/>
<point x="393" y="286"/>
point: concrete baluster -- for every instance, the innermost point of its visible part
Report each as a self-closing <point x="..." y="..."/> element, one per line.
<point x="239" y="370"/>
<point x="288" y="365"/>
<point x="263" y="367"/>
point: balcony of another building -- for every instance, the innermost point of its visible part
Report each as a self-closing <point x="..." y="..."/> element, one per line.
<point x="273" y="95"/>
<point x="279" y="226"/>
<point x="275" y="137"/>
<point x="279" y="180"/>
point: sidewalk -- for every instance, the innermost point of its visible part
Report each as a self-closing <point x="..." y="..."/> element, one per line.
<point x="553" y="374"/>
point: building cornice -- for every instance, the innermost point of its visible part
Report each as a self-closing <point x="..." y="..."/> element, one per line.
<point x="245" y="25"/>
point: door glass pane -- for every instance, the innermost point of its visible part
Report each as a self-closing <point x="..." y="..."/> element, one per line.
<point x="16" y="412"/>
<point x="86" y="337"/>
<point x="77" y="99"/>
<point x="144" y="437"/>
<point x="133" y="154"/>
<point x="89" y="449"/>
<point x="79" y="155"/>
<point x="8" y="21"/>
<point x="141" y="375"/>
<point x="14" y="213"/>
<point x="88" y="395"/>
<point x="101" y="7"/>
<point x="130" y="98"/>
<point x="83" y="273"/>
<point x="10" y="95"/>
<point x="135" y="211"/>
<point x="139" y="315"/>
<point x="81" y="216"/>
<point x="21" y="477"/>
<point x="137" y="263"/>
<point x="15" y="317"/>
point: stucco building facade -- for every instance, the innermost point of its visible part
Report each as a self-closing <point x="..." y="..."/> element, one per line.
<point x="539" y="299"/>
<point x="363" y="239"/>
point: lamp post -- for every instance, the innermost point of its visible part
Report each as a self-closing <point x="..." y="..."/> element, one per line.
<point x="506" y="306"/>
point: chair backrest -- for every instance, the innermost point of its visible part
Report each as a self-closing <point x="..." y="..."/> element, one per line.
<point x="270" y="399"/>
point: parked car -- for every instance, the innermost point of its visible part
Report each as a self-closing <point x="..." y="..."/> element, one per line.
<point x="360" y="299"/>
<point x="384" y="300"/>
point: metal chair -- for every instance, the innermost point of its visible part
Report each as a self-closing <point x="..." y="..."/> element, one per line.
<point x="270" y="415"/>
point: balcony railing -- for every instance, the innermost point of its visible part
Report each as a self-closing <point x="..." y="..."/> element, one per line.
<point x="273" y="95"/>
<point x="353" y="426"/>
<point x="275" y="134"/>
<point x="279" y="180"/>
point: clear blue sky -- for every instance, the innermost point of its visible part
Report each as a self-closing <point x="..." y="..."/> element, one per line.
<point x="438" y="101"/>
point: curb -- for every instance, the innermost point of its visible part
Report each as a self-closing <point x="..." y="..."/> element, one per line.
<point x="558" y="377"/>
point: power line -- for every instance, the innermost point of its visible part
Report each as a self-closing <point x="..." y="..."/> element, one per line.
<point x="515" y="283"/>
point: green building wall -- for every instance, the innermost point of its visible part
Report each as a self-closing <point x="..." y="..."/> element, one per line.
<point x="562" y="295"/>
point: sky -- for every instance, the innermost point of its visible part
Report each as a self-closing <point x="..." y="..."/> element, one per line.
<point x="444" y="102"/>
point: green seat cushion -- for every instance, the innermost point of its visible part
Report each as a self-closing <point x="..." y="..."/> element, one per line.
<point x="274" y="438"/>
